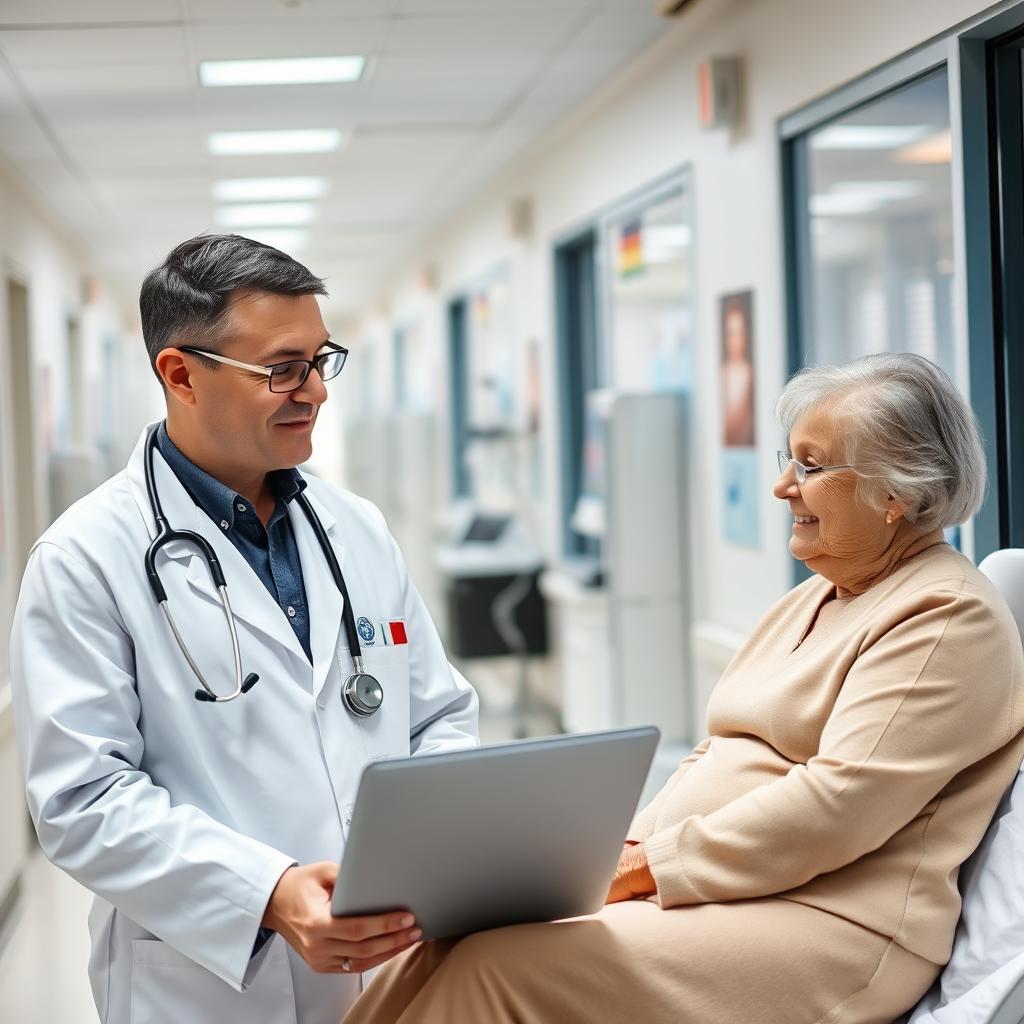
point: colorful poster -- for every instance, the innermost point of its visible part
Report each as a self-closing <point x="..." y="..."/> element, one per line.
<point x="631" y="249"/>
<point x="737" y="370"/>
<point x="740" y="478"/>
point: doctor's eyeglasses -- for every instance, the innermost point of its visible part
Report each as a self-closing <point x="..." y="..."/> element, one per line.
<point x="289" y="376"/>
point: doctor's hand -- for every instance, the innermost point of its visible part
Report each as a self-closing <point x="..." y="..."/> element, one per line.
<point x="633" y="878"/>
<point x="300" y="909"/>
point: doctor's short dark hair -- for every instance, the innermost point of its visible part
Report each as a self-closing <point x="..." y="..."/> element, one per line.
<point x="186" y="299"/>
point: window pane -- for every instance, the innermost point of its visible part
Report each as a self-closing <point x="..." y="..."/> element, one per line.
<point x="648" y="254"/>
<point x="880" y="219"/>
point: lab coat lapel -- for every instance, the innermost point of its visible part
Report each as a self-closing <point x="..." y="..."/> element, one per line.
<point x="251" y="602"/>
<point x="323" y="599"/>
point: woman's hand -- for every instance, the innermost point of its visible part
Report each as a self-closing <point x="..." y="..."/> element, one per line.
<point x="633" y="878"/>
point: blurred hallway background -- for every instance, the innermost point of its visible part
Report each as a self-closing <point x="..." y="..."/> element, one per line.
<point x="575" y="248"/>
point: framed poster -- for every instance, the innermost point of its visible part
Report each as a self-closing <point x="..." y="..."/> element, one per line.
<point x="740" y="505"/>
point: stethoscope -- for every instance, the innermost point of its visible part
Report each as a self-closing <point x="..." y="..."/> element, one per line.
<point x="362" y="694"/>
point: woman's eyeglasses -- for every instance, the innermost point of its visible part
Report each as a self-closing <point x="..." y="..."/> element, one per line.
<point x="800" y="471"/>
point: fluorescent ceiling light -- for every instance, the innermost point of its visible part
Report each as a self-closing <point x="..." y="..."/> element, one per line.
<point x="881" y="191"/>
<point x="869" y="136"/>
<point x="289" y="240"/>
<point x="233" y="190"/>
<point x="302" y="140"/>
<point x="281" y="71"/>
<point x="832" y="205"/>
<point x="265" y="214"/>
<point x="852" y="198"/>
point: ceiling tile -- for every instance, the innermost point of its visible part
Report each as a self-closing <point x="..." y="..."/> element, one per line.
<point x="497" y="6"/>
<point x="474" y="34"/>
<point x="108" y="80"/>
<point x="465" y="68"/>
<point x="322" y="37"/>
<point x="296" y="106"/>
<point x="55" y="12"/>
<point x="621" y="31"/>
<point x="91" y="46"/>
<point x="438" y="103"/>
<point x="304" y="10"/>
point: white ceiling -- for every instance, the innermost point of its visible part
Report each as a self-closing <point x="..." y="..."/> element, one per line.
<point x="102" y="116"/>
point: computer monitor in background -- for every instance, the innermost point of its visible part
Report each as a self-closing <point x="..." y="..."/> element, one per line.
<point x="485" y="529"/>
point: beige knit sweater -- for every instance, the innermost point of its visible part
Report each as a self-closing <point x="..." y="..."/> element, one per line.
<point x="856" y="769"/>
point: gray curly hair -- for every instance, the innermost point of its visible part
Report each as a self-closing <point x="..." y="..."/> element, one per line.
<point x="905" y="428"/>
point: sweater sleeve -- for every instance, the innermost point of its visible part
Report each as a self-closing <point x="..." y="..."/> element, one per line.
<point x="643" y="823"/>
<point x="929" y="696"/>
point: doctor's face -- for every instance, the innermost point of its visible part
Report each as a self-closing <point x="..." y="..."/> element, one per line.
<point x="238" y="415"/>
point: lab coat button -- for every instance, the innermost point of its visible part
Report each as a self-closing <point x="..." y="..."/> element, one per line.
<point x="349" y="809"/>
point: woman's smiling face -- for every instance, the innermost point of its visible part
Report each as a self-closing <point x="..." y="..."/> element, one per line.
<point x="831" y="522"/>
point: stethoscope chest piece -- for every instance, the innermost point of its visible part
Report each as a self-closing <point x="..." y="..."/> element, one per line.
<point x="362" y="694"/>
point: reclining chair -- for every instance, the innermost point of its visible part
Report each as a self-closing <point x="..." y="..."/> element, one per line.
<point x="983" y="983"/>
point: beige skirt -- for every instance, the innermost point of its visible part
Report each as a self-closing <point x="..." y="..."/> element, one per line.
<point x="766" y="961"/>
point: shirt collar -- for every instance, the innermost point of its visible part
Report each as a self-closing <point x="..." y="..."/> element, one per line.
<point x="213" y="497"/>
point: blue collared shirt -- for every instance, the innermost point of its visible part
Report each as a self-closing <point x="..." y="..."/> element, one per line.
<point x="271" y="551"/>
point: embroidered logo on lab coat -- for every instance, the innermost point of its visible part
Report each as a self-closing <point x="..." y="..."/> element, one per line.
<point x="366" y="630"/>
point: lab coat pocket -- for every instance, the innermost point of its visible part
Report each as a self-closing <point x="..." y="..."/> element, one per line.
<point x="168" y="988"/>
<point x="385" y="734"/>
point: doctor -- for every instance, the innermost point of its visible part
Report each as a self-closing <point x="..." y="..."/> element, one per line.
<point x="209" y="830"/>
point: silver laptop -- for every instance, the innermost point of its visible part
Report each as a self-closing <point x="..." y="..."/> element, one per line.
<point x="498" y="835"/>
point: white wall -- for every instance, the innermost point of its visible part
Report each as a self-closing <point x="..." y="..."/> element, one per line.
<point x="642" y="126"/>
<point x="40" y="256"/>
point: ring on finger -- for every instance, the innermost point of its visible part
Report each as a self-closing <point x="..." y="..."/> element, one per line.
<point x="346" y="964"/>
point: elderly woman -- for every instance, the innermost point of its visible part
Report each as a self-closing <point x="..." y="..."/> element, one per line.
<point x="801" y="864"/>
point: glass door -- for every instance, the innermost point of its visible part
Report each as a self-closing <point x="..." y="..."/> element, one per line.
<point x="1006" y="79"/>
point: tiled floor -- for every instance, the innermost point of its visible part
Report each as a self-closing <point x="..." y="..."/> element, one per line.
<point x="45" y="951"/>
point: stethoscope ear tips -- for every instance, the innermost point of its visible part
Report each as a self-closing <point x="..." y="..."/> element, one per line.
<point x="203" y="695"/>
<point x="250" y="681"/>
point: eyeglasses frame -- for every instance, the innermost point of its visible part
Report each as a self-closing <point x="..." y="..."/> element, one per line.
<point x="268" y="371"/>
<point x="801" y="471"/>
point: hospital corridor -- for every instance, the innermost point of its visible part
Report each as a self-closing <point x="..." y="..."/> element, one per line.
<point x="511" y="511"/>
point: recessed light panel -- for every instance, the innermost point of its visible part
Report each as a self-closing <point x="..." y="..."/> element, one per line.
<point x="265" y="214"/>
<point x="868" y="136"/>
<point x="281" y="71"/>
<point x="235" y="190"/>
<point x="301" y="140"/>
<point x="289" y="240"/>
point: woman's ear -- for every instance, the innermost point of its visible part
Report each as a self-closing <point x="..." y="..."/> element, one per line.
<point x="894" y="509"/>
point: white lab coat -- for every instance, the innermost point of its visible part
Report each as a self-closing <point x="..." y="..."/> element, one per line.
<point x="179" y="815"/>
